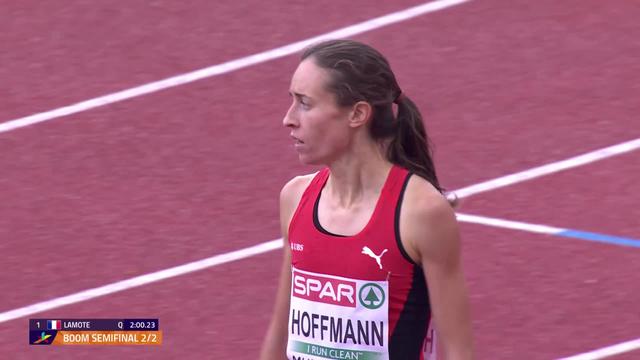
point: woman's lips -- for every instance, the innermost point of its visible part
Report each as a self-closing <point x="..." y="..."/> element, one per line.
<point x="296" y="140"/>
<point x="297" y="143"/>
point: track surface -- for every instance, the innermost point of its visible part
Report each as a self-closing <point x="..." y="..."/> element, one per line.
<point x="193" y="171"/>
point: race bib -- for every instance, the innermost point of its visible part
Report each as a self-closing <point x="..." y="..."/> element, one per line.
<point x="333" y="317"/>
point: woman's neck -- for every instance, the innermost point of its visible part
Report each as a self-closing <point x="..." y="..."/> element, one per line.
<point x="357" y="175"/>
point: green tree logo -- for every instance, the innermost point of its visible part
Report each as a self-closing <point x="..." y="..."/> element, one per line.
<point x="371" y="296"/>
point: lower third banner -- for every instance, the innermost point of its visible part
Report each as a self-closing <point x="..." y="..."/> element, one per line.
<point x="53" y="337"/>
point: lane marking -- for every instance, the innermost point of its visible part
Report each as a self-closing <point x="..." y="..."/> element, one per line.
<point x="549" y="230"/>
<point x="550" y="168"/>
<point x="608" y="351"/>
<point x="141" y="280"/>
<point x="230" y="66"/>
<point x="603" y="238"/>
<point x="508" y="224"/>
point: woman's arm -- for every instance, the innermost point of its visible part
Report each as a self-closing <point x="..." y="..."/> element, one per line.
<point x="432" y="237"/>
<point x="274" y="346"/>
<point x="275" y="342"/>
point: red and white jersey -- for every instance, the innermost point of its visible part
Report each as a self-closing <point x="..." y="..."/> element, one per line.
<point x="356" y="297"/>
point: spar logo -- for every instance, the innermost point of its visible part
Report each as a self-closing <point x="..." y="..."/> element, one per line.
<point x="323" y="289"/>
<point x="371" y="296"/>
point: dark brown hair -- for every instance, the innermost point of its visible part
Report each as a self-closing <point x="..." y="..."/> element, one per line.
<point x="361" y="73"/>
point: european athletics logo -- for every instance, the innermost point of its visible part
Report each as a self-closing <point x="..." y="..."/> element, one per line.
<point x="41" y="337"/>
<point x="44" y="337"/>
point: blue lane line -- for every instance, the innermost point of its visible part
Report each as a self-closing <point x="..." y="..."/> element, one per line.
<point x="584" y="235"/>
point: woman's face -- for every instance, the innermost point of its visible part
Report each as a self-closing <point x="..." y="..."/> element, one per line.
<point x="319" y="127"/>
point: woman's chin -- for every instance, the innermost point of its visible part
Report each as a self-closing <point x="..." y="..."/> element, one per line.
<point x="309" y="160"/>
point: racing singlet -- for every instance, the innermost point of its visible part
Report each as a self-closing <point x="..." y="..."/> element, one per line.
<point x="356" y="297"/>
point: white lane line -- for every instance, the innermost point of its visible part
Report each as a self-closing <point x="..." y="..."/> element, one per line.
<point x="508" y="224"/>
<point x="549" y="230"/>
<point x="547" y="169"/>
<point x="230" y="66"/>
<point x="608" y="351"/>
<point x="141" y="280"/>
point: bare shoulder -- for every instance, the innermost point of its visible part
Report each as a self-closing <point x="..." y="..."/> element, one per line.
<point x="292" y="191"/>
<point x="290" y="196"/>
<point x="428" y="223"/>
<point x="425" y="201"/>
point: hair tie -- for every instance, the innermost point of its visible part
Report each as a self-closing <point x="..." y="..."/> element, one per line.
<point x="398" y="98"/>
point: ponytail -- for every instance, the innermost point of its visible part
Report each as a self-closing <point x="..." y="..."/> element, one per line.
<point x="410" y="147"/>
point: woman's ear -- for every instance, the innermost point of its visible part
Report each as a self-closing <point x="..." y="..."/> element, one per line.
<point x="360" y="114"/>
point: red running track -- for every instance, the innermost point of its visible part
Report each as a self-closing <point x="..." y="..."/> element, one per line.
<point x="194" y="171"/>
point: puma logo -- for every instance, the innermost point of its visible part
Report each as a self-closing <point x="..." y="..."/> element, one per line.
<point x="367" y="251"/>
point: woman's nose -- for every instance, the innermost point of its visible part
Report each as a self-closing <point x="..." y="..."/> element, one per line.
<point x="289" y="120"/>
